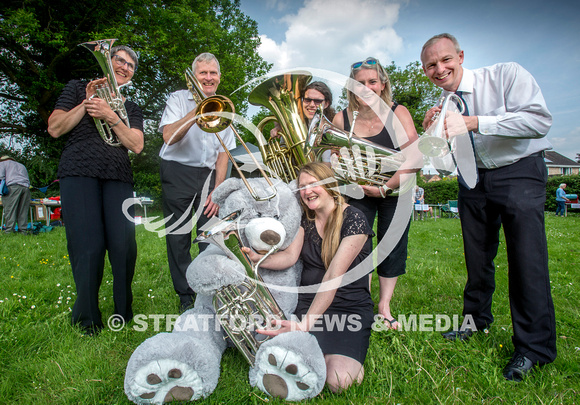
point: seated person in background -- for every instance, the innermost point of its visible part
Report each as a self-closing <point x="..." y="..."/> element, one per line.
<point x="326" y="259"/>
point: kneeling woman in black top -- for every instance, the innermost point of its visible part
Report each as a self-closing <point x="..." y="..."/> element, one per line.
<point x="95" y="180"/>
<point x="331" y="242"/>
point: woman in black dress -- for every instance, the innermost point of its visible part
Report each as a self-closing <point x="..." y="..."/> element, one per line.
<point x="95" y="180"/>
<point x="331" y="241"/>
<point x="388" y="124"/>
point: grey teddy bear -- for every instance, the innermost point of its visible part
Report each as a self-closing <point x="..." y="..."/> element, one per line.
<point x="184" y="365"/>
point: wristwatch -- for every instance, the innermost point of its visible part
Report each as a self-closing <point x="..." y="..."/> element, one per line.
<point x="385" y="190"/>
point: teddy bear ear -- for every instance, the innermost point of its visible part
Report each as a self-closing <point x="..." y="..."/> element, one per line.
<point x="222" y="191"/>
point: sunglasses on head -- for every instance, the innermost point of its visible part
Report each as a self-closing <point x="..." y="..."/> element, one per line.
<point x="369" y="62"/>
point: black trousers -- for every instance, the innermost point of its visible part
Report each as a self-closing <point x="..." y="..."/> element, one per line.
<point x="512" y="196"/>
<point x="395" y="263"/>
<point x="95" y="224"/>
<point x="181" y="185"/>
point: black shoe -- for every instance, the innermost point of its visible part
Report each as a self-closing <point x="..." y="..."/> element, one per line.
<point x="517" y="367"/>
<point x="462" y="335"/>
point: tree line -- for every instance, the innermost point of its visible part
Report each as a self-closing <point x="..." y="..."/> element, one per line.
<point x="39" y="54"/>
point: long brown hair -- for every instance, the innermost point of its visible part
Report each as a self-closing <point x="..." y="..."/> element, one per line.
<point x="331" y="236"/>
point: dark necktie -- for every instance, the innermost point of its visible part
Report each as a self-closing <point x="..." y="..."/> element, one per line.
<point x="474" y="162"/>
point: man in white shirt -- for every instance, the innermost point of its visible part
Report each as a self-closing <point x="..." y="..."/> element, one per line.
<point x="189" y="157"/>
<point x="509" y="121"/>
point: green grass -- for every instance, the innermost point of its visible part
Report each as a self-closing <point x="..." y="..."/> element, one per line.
<point x="43" y="360"/>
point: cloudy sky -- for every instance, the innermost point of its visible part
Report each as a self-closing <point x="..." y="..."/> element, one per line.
<point x="542" y="36"/>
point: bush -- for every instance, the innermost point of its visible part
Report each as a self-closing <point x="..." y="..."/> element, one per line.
<point x="439" y="192"/>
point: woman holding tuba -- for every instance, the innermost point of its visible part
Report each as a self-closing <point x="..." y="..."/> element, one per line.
<point x="373" y="113"/>
<point x="95" y="179"/>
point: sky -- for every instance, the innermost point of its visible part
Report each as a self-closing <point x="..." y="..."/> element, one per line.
<point x="542" y="36"/>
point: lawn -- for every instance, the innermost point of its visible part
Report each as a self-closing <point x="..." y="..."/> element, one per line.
<point x="44" y="360"/>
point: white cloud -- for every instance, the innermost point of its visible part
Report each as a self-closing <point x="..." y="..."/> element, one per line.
<point x="332" y="34"/>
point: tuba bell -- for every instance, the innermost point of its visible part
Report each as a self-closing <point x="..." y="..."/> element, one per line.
<point x="214" y="115"/>
<point x="110" y="92"/>
<point x="353" y="159"/>
<point x="249" y="305"/>
<point x="281" y="95"/>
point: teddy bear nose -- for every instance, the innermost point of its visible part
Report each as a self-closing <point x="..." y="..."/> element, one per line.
<point x="270" y="237"/>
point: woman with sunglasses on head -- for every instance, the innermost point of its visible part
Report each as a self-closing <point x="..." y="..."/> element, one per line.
<point x="331" y="242"/>
<point x="375" y="107"/>
<point x="95" y="180"/>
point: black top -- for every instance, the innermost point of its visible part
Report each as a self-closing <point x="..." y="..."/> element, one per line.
<point x="354" y="295"/>
<point x="85" y="153"/>
<point x="383" y="138"/>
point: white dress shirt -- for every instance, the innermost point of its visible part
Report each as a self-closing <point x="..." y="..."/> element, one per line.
<point x="513" y="117"/>
<point x="197" y="148"/>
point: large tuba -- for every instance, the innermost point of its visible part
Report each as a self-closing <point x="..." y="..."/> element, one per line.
<point x="110" y="92"/>
<point x="214" y="115"/>
<point x="353" y="159"/>
<point x="248" y="306"/>
<point x="282" y="96"/>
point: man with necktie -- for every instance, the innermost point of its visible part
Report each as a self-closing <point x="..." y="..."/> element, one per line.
<point x="509" y="120"/>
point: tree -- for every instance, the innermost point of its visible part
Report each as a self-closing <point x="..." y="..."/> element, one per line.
<point x="40" y="54"/>
<point x="413" y="89"/>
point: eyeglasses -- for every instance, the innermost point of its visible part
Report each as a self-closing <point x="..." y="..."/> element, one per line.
<point x="122" y="62"/>
<point x="369" y="62"/>
<point x="316" y="101"/>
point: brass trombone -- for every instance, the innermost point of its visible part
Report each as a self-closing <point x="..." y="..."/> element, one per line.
<point x="214" y="116"/>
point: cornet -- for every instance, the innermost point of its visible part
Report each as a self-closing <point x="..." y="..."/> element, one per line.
<point x="435" y="143"/>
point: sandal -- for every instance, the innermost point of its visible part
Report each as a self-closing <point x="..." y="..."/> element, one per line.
<point x="391" y="323"/>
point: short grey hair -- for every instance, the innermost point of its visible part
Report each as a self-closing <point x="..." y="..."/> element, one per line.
<point x="436" y="38"/>
<point x="206" y="57"/>
<point x="562" y="185"/>
<point x="129" y="51"/>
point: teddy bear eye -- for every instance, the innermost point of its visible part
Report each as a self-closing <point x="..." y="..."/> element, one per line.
<point x="276" y="217"/>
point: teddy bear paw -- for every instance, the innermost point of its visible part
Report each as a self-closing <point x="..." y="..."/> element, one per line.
<point x="165" y="381"/>
<point x="286" y="375"/>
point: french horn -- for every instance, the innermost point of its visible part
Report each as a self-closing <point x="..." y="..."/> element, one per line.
<point x="110" y="92"/>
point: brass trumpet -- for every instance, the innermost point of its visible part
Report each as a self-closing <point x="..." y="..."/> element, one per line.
<point x="213" y="117"/>
<point x="110" y="92"/>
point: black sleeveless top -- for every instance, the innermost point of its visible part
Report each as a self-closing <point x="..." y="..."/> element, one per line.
<point x="383" y="138"/>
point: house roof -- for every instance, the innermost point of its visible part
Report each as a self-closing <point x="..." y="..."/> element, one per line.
<point x="553" y="158"/>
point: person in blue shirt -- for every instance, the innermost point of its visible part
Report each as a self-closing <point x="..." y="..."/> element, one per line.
<point x="561" y="199"/>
